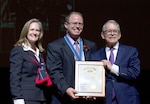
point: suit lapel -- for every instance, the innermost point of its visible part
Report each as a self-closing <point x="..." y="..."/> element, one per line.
<point x="30" y="53"/>
<point x="67" y="49"/>
<point x="103" y="54"/>
<point x="119" y="54"/>
<point x="86" y="53"/>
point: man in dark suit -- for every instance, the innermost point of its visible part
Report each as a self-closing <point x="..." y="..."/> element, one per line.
<point x="61" y="57"/>
<point x="122" y="74"/>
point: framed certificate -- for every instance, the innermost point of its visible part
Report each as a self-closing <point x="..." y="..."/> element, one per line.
<point x="90" y="78"/>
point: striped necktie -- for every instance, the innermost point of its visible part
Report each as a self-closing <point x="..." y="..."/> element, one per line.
<point x="111" y="58"/>
<point x="77" y="47"/>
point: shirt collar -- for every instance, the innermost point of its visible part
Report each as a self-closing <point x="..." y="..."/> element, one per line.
<point x="28" y="48"/>
<point x="115" y="47"/>
<point x="72" y="41"/>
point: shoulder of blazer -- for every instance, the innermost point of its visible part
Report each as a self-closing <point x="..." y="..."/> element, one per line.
<point x="87" y="41"/>
<point x="127" y="47"/>
<point x="17" y="49"/>
<point x="57" y="42"/>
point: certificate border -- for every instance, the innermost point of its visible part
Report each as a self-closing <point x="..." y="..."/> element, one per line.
<point x="93" y="63"/>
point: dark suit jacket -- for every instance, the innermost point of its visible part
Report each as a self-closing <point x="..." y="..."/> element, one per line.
<point x="129" y="70"/>
<point x="61" y="64"/>
<point x="23" y="72"/>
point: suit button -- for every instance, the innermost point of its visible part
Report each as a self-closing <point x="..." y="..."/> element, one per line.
<point x="113" y="80"/>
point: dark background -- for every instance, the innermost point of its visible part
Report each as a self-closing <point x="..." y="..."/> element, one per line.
<point x="132" y="15"/>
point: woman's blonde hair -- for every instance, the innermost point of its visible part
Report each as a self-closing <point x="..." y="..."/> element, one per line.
<point x="24" y="32"/>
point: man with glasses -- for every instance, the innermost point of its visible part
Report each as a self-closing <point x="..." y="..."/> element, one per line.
<point x="61" y="57"/>
<point x="122" y="66"/>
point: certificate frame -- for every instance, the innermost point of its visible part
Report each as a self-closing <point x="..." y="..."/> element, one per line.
<point x="89" y="78"/>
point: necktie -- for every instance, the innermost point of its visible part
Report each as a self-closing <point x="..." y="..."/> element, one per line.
<point x="111" y="59"/>
<point x="77" y="48"/>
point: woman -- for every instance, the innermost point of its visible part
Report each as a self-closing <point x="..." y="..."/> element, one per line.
<point x="25" y="60"/>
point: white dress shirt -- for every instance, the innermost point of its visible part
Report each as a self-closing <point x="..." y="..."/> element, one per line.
<point x="115" y="68"/>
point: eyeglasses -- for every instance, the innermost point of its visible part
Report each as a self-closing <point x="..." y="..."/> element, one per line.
<point x="112" y="31"/>
<point x="75" y="24"/>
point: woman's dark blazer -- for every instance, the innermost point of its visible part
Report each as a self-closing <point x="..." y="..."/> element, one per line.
<point x="23" y="72"/>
